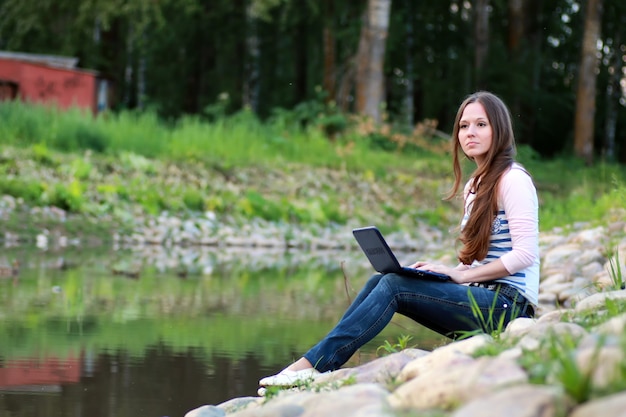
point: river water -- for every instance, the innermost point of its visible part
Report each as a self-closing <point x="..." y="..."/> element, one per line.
<point x="95" y="332"/>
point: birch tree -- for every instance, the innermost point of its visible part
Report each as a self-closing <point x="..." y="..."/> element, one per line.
<point x="329" y="80"/>
<point x="370" y="82"/>
<point x="481" y="38"/>
<point x="586" y="91"/>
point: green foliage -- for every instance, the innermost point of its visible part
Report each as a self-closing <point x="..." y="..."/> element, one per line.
<point x="571" y="193"/>
<point x="228" y="166"/>
<point x="616" y="274"/>
<point x="42" y="155"/>
<point x="87" y="306"/>
<point x="70" y="130"/>
<point x="67" y="197"/>
<point x="81" y="168"/>
<point x="401" y="344"/>
<point x="139" y="133"/>
<point x="490" y="324"/>
<point x="590" y="319"/>
<point x="285" y="64"/>
<point x="492" y="349"/>
<point x="74" y="133"/>
<point x="555" y="361"/>
<point x="30" y="191"/>
<point x="193" y="199"/>
<point x="316" y="113"/>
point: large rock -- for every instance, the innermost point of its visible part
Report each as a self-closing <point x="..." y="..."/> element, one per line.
<point x="611" y="406"/>
<point x="383" y="371"/>
<point x="445" y="356"/>
<point x="519" y="401"/>
<point x="361" y="400"/>
<point x="449" y="386"/>
<point x="599" y="301"/>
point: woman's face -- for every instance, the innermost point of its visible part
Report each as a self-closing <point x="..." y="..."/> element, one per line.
<point x="475" y="133"/>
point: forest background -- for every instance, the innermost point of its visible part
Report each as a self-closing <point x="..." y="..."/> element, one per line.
<point x="242" y="88"/>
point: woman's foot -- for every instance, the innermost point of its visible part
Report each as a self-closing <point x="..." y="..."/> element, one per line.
<point x="299" y="372"/>
<point x="288" y="378"/>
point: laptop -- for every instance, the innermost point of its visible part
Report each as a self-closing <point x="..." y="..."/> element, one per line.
<point x="382" y="258"/>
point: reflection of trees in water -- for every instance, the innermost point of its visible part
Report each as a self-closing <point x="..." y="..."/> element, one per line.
<point x="165" y="345"/>
<point x="157" y="280"/>
<point x="160" y="381"/>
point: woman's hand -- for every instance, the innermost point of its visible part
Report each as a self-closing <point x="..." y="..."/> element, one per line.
<point x="456" y="274"/>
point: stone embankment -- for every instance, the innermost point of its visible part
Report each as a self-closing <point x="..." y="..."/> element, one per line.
<point x="569" y="361"/>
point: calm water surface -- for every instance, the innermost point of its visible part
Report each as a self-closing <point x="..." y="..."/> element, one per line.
<point x="159" y="332"/>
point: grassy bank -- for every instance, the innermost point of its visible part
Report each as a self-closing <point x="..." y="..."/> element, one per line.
<point x="117" y="166"/>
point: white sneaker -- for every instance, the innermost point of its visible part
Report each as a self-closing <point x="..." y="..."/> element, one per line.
<point x="288" y="378"/>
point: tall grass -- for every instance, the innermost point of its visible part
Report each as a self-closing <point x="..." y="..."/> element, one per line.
<point x="237" y="140"/>
<point x="569" y="192"/>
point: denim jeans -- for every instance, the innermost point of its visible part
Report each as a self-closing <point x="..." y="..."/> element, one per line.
<point x="444" y="307"/>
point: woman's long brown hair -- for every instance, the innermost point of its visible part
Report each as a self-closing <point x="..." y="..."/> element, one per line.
<point x="485" y="179"/>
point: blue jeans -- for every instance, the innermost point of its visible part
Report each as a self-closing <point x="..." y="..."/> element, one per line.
<point x="444" y="307"/>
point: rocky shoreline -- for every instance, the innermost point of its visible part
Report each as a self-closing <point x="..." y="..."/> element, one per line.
<point x="568" y="361"/>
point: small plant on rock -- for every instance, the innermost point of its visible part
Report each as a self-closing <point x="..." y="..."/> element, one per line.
<point x="403" y="342"/>
<point x="489" y="323"/>
<point x="615" y="272"/>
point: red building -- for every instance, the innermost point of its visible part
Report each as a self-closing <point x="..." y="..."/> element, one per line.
<point x="47" y="372"/>
<point x="51" y="79"/>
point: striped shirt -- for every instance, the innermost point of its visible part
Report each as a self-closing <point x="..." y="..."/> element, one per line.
<point x="514" y="232"/>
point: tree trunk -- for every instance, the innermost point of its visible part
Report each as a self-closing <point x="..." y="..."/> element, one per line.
<point x="613" y="94"/>
<point x="301" y="54"/>
<point x="409" y="92"/>
<point x="517" y="19"/>
<point x="250" y="89"/>
<point x="330" y="71"/>
<point x="524" y="41"/>
<point x="128" y="68"/>
<point x="586" y="93"/>
<point x="141" y="81"/>
<point x="370" y="87"/>
<point x="481" y="38"/>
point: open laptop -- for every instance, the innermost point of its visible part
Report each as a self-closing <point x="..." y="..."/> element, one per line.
<point x="382" y="258"/>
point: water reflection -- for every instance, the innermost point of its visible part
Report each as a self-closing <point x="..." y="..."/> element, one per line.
<point x="79" y="339"/>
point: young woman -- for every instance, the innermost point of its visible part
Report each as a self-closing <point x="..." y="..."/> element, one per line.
<point x="499" y="256"/>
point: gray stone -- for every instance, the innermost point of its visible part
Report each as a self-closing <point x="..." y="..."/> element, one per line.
<point x="561" y="255"/>
<point x="558" y="329"/>
<point x="272" y="410"/>
<point x="519" y="401"/>
<point x="450" y="386"/>
<point x="362" y="400"/>
<point x="613" y="326"/>
<point x="206" y="411"/>
<point x="554" y="316"/>
<point x="241" y="403"/>
<point x="599" y="301"/>
<point x="383" y="371"/>
<point x="611" y="406"/>
<point x="602" y="363"/>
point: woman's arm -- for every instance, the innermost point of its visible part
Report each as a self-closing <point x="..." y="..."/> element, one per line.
<point x="519" y="200"/>
<point x="467" y="274"/>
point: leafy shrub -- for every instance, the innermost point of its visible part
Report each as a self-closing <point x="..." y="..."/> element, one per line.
<point x="255" y="205"/>
<point x="30" y="192"/>
<point x="68" y="197"/>
<point x="193" y="199"/>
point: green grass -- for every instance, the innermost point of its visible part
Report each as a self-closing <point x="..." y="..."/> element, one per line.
<point x="401" y="344"/>
<point x="103" y="164"/>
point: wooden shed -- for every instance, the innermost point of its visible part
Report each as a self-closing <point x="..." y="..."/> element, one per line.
<point x="52" y="79"/>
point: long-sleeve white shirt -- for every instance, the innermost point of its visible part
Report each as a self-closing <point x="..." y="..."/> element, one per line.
<point x="515" y="231"/>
